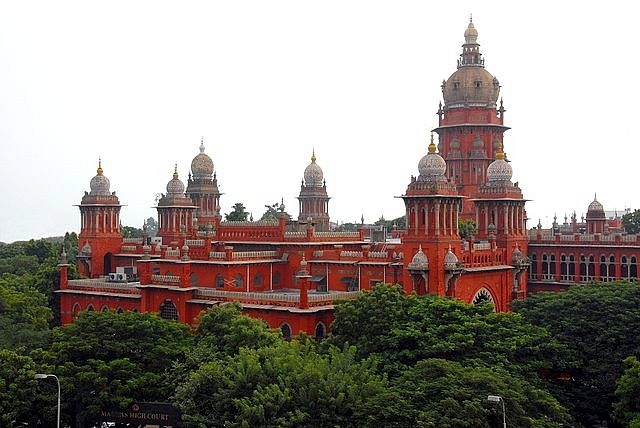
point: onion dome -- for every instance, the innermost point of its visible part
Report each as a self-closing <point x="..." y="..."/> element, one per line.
<point x="450" y="260"/>
<point x="499" y="171"/>
<point x="419" y="261"/>
<point x="99" y="184"/>
<point x="471" y="84"/>
<point x="175" y="186"/>
<point x="595" y="210"/>
<point x="313" y="174"/>
<point x="202" y="165"/>
<point x="432" y="166"/>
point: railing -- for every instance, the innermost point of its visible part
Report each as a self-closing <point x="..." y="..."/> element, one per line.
<point x="132" y="240"/>
<point x="254" y="254"/>
<point x="217" y="255"/>
<point x="101" y="283"/>
<point x="172" y="253"/>
<point x="165" y="278"/>
<point x="194" y="242"/>
<point x="291" y="296"/>
<point x="378" y="254"/>
<point x="295" y="234"/>
<point x="479" y="246"/>
<point x="337" y="234"/>
<point x="270" y="223"/>
<point x="351" y="254"/>
<point x="128" y="248"/>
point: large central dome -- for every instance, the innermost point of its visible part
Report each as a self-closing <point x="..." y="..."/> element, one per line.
<point x="202" y="165"/>
<point x="471" y="84"/>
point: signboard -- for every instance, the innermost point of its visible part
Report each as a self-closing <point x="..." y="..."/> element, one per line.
<point x="162" y="414"/>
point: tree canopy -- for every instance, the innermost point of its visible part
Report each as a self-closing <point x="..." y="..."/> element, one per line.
<point x="239" y="213"/>
<point x="631" y="222"/>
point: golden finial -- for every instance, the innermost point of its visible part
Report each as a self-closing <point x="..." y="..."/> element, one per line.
<point x="175" y="171"/>
<point x="500" y="153"/>
<point x="313" y="155"/>
<point x="99" y="171"/>
<point x="432" y="145"/>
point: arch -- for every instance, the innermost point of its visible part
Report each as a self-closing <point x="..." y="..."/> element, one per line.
<point x="119" y="310"/>
<point x="258" y="280"/>
<point x="219" y="281"/>
<point x="90" y="308"/>
<point x="168" y="310"/>
<point x="193" y="278"/>
<point x="320" y="331"/>
<point x="533" y="270"/>
<point x="75" y="310"/>
<point x="483" y="295"/>
<point x="108" y="258"/>
<point x="105" y="308"/>
<point x="285" y="328"/>
<point x="238" y="280"/>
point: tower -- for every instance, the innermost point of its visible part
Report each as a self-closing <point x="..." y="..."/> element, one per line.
<point x="202" y="188"/>
<point x="432" y="204"/>
<point x="470" y="127"/>
<point x="100" y="236"/>
<point x="314" y="202"/>
<point x="596" y="217"/>
<point x="176" y="219"/>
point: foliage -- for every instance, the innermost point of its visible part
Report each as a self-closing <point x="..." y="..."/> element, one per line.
<point x="598" y="323"/>
<point x="400" y="330"/>
<point x="627" y="404"/>
<point x="152" y="226"/>
<point x="631" y="222"/>
<point x="288" y="384"/>
<point x="18" y="389"/>
<point x="24" y="316"/>
<point x="396" y="223"/>
<point x="467" y="228"/>
<point x="131" y="232"/>
<point x="238" y="213"/>
<point x="273" y="213"/>
<point x="111" y="359"/>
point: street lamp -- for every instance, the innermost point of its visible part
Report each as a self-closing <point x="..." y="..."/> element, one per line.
<point x="495" y="399"/>
<point x="44" y="376"/>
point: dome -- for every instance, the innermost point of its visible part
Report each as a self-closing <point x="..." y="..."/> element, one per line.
<point x="175" y="186"/>
<point x="313" y="175"/>
<point x="202" y="165"/>
<point x="499" y="171"/>
<point x="432" y="165"/>
<point x="99" y="184"/>
<point x="471" y="83"/>
<point x="595" y="206"/>
<point x="516" y="256"/>
<point x="419" y="261"/>
<point x="450" y="260"/>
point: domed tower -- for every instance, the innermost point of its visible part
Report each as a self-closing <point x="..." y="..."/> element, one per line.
<point x="471" y="126"/>
<point x="432" y="204"/>
<point x="202" y="188"/>
<point x="100" y="235"/>
<point x="500" y="216"/>
<point x="596" y="217"/>
<point x="176" y="219"/>
<point x="313" y="199"/>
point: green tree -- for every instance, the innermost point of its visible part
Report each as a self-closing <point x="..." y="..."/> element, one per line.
<point x="598" y="323"/>
<point x="627" y="403"/>
<point x="109" y="359"/>
<point x="19" y="392"/>
<point x="467" y="228"/>
<point x="238" y="213"/>
<point x="24" y="317"/>
<point x="273" y="213"/>
<point x="131" y="232"/>
<point x="631" y="222"/>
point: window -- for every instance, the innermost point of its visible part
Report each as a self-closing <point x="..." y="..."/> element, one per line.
<point x="321" y="331"/>
<point x="168" y="310"/>
<point x="219" y="281"/>
<point x="258" y="280"/>
<point x="194" y="279"/>
<point x="286" y="331"/>
<point x="238" y="281"/>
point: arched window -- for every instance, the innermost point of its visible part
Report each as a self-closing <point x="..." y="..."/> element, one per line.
<point x="321" y="331"/>
<point x="257" y="280"/>
<point x="277" y="278"/>
<point x="168" y="310"/>
<point x="286" y="331"/>
<point x="105" y="308"/>
<point x="548" y="266"/>
<point x="119" y="310"/>
<point x="219" y="281"/>
<point x="633" y="268"/>
<point x="194" y="279"/>
<point x="238" y="281"/>
<point x="483" y="295"/>
<point x="90" y="308"/>
<point x="533" y="270"/>
<point x="75" y="310"/>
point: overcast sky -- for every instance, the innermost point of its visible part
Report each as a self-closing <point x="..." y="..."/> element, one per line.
<point x="138" y="83"/>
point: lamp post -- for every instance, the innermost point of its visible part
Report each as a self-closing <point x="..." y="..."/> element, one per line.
<point x="44" y="376"/>
<point x="495" y="399"/>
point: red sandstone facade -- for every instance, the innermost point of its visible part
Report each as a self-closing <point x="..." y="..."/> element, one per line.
<point x="290" y="274"/>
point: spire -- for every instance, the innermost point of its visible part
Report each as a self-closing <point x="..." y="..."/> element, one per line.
<point x="471" y="55"/>
<point x="175" y="171"/>
<point x="313" y="155"/>
<point x="99" y="170"/>
<point x="432" y="146"/>
<point x="201" y="144"/>
<point x="500" y="152"/>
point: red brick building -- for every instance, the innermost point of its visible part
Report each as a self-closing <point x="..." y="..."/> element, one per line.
<point x="290" y="273"/>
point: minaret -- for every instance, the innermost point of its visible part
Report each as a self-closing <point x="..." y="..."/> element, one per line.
<point x="432" y="204"/>
<point x="202" y="188"/>
<point x="175" y="213"/>
<point x="596" y="217"/>
<point x="100" y="236"/>
<point x="470" y="125"/>
<point x="314" y="202"/>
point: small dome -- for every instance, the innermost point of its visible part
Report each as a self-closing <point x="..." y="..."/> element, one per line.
<point x="432" y="165"/>
<point x="175" y="186"/>
<point x="516" y="256"/>
<point x="419" y="261"/>
<point x="202" y="165"/>
<point x="450" y="260"/>
<point x="99" y="183"/>
<point x="595" y="206"/>
<point x="313" y="175"/>
<point x="499" y="170"/>
<point x="470" y="34"/>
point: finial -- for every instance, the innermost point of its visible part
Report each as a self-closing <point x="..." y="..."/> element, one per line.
<point x="201" y="144"/>
<point x="432" y="146"/>
<point x="99" y="170"/>
<point x="175" y="171"/>
<point x="471" y="17"/>
<point x="500" y="152"/>
<point x="313" y="155"/>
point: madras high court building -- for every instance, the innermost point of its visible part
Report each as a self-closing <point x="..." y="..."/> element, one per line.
<point x="289" y="273"/>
